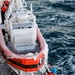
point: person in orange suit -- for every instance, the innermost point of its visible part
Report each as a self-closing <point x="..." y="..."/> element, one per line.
<point x="51" y="70"/>
<point x="4" y="9"/>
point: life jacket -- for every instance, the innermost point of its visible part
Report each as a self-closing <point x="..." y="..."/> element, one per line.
<point x="5" y="6"/>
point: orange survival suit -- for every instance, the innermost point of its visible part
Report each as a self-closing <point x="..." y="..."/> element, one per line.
<point x="3" y="9"/>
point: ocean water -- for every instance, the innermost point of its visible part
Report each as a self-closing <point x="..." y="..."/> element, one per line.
<point x="57" y="23"/>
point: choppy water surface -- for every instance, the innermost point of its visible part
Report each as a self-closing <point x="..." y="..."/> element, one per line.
<point x="57" y="24"/>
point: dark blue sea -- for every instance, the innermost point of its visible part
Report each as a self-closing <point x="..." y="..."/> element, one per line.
<point x="56" y="21"/>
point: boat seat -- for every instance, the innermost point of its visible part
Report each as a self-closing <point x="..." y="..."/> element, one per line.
<point x="21" y="17"/>
<point x="23" y="39"/>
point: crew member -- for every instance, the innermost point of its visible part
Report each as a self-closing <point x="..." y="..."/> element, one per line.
<point x="3" y="10"/>
<point x="50" y="70"/>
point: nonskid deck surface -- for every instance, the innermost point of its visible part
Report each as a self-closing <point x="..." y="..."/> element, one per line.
<point x="5" y="69"/>
<point x="37" y="49"/>
<point x="36" y="73"/>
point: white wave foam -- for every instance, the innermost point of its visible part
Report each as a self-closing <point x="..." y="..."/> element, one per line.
<point x="56" y="1"/>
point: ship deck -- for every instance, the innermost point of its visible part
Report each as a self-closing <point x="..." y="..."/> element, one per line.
<point x="37" y="49"/>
